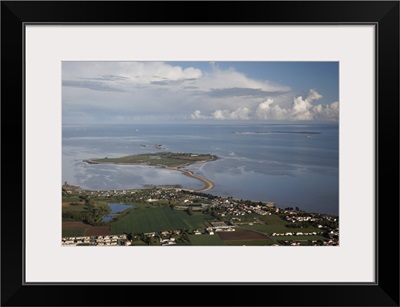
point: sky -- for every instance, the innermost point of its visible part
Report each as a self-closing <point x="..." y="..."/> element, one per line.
<point x="155" y="92"/>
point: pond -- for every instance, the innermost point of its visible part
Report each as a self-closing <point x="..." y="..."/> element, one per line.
<point x="115" y="208"/>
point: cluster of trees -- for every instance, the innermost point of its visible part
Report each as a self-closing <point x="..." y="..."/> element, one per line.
<point x="92" y="215"/>
<point x="74" y="215"/>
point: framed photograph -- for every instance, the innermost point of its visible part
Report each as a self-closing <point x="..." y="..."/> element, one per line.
<point x="254" y="151"/>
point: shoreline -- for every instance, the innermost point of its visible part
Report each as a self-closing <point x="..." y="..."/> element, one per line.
<point x="208" y="184"/>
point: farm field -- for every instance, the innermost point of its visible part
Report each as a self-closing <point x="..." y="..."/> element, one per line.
<point x="272" y="219"/>
<point x="98" y="231"/>
<point x="73" y="232"/>
<point x="78" y="228"/>
<point x="205" y="240"/>
<point x="67" y="207"/>
<point x="73" y="228"/>
<point x="157" y="219"/>
<point x="274" y="223"/>
<point x="241" y="234"/>
<point x="245" y="237"/>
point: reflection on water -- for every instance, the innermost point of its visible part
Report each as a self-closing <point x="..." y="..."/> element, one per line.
<point x="115" y="208"/>
<point x="291" y="169"/>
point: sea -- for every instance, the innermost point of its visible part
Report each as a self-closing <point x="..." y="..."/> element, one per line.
<point x="293" y="165"/>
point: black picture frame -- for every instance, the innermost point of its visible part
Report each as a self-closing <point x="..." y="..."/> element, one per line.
<point x="383" y="14"/>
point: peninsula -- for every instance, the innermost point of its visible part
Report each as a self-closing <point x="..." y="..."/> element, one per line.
<point x="169" y="160"/>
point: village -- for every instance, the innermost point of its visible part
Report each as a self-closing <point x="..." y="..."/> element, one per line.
<point x="225" y="217"/>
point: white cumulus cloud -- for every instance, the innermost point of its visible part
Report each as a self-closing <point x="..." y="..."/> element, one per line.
<point x="197" y="115"/>
<point x="329" y="112"/>
<point x="95" y="91"/>
<point x="266" y="110"/>
<point x="300" y="109"/>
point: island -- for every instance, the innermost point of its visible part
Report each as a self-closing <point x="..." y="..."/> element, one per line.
<point x="170" y="160"/>
<point x="277" y="132"/>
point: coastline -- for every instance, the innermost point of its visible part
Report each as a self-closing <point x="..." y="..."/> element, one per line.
<point x="208" y="184"/>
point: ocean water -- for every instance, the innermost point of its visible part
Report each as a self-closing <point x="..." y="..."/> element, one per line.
<point x="292" y="165"/>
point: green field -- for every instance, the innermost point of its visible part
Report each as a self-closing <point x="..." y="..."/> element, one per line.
<point x="272" y="219"/>
<point x="273" y="223"/>
<point x="73" y="232"/>
<point x="205" y="240"/>
<point x="157" y="219"/>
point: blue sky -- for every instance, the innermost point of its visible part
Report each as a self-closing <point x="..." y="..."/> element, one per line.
<point x="130" y="92"/>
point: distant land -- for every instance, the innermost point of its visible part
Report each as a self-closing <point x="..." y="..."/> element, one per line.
<point x="276" y="132"/>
